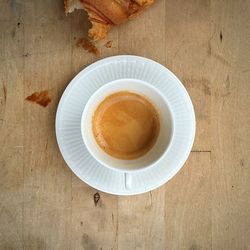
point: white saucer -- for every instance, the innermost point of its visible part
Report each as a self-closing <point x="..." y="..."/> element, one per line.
<point x="68" y="127"/>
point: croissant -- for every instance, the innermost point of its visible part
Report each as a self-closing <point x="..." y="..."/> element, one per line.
<point x="103" y="14"/>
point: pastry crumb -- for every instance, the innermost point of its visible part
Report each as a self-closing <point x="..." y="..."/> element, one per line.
<point x="108" y="44"/>
<point x="42" y="98"/>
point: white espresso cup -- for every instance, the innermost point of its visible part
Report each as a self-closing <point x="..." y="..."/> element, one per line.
<point x="164" y="139"/>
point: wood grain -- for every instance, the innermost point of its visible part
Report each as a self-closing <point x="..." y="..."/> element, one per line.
<point x="47" y="181"/>
<point x="188" y="35"/>
<point x="43" y="205"/>
<point x="188" y="208"/>
<point x="231" y="118"/>
<point x="12" y="135"/>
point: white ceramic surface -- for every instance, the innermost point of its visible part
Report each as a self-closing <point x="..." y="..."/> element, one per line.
<point x="166" y="125"/>
<point x="68" y="124"/>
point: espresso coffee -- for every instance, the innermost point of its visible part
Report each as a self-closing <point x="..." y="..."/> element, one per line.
<point x="126" y="125"/>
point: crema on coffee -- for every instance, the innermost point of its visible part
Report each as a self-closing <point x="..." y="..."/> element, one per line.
<point x="126" y="125"/>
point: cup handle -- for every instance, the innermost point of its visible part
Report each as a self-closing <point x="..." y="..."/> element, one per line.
<point x="128" y="181"/>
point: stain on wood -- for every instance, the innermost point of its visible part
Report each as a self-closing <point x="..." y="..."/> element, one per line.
<point x="221" y="59"/>
<point x="206" y="89"/>
<point x="88" y="243"/>
<point x="242" y="163"/>
<point x="88" y="45"/>
<point x="221" y="36"/>
<point x="194" y="247"/>
<point x="13" y="33"/>
<point x="96" y="198"/>
<point x="26" y="54"/>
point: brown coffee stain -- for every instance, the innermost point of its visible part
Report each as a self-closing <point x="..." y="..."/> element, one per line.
<point x="108" y="44"/>
<point x="206" y="89"/>
<point x="96" y="198"/>
<point x="88" y="243"/>
<point x="194" y="247"/>
<point x="42" y="98"/>
<point x="88" y="46"/>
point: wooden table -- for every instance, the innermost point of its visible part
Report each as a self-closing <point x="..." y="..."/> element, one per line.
<point x="43" y="205"/>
